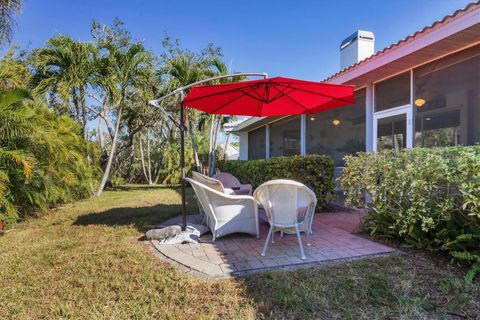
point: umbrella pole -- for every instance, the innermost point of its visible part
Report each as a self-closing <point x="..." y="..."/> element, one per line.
<point x="182" y="165"/>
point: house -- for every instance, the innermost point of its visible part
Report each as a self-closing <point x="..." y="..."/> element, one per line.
<point x="423" y="91"/>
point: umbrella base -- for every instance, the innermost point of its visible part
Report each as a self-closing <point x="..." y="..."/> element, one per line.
<point x="173" y="234"/>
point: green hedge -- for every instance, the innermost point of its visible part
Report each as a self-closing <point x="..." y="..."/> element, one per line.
<point x="430" y="198"/>
<point x="315" y="171"/>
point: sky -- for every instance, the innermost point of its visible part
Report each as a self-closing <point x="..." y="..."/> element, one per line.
<point x="294" y="38"/>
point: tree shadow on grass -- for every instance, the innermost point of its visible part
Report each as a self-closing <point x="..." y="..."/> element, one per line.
<point x="141" y="218"/>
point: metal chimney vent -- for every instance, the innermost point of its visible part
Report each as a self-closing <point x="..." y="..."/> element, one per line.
<point x="356" y="47"/>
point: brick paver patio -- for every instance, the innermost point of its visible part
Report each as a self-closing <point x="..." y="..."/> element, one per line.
<point x="239" y="254"/>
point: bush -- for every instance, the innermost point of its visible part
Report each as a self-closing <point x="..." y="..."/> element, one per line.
<point x="315" y="171"/>
<point x="430" y="198"/>
<point x="44" y="159"/>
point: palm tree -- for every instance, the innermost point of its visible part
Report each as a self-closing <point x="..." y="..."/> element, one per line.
<point x="66" y="66"/>
<point x="184" y="69"/>
<point x="218" y="68"/>
<point x="14" y="125"/>
<point x="14" y="72"/>
<point x="43" y="158"/>
<point x="131" y="67"/>
<point x="8" y="9"/>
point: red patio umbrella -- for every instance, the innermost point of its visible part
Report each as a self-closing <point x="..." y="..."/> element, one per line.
<point x="277" y="96"/>
<point x="267" y="97"/>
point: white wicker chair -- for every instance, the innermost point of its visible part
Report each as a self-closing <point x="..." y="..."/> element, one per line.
<point x="289" y="206"/>
<point x="227" y="213"/>
<point x="213" y="183"/>
<point x="230" y="181"/>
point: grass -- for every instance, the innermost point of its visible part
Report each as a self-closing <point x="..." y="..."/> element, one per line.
<point x="85" y="261"/>
<point x="385" y="288"/>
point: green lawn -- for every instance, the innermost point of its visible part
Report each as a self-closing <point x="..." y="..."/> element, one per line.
<point x="85" y="261"/>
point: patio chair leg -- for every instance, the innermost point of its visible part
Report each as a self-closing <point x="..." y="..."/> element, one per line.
<point x="273" y="237"/>
<point x="308" y="238"/>
<point x="281" y="234"/>
<point x="300" y="244"/>
<point x="265" y="247"/>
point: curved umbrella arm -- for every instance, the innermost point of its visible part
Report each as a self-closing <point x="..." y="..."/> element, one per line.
<point x="156" y="102"/>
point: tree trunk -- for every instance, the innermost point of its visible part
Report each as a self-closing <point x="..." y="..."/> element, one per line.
<point x="213" y="143"/>
<point x="157" y="166"/>
<point x="214" y="149"/>
<point x="210" y="142"/>
<point x="157" y="177"/>
<point x="76" y="104"/>
<point x="104" y="117"/>
<point x="84" y="113"/>
<point x="198" y="164"/>
<point x="105" y="112"/>
<point x="142" y="158"/>
<point x="149" y="167"/>
<point x="101" y="138"/>
<point x="131" y="178"/>
<point x="112" y="153"/>
<point x="227" y="136"/>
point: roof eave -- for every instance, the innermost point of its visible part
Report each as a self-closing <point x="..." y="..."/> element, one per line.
<point x="448" y="25"/>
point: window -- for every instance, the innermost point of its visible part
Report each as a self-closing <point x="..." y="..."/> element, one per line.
<point x="285" y="137"/>
<point x="438" y="130"/>
<point x="339" y="131"/>
<point x="393" y="92"/>
<point x="447" y="100"/>
<point x="256" y="144"/>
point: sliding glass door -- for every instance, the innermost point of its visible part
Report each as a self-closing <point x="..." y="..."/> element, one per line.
<point x="393" y="129"/>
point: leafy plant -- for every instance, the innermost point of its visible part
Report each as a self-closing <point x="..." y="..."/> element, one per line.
<point x="44" y="160"/>
<point x="430" y="198"/>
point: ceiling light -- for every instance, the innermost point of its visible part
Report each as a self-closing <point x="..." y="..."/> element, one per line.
<point x="428" y="118"/>
<point x="312" y="118"/>
<point x="335" y="122"/>
<point x="420" y="102"/>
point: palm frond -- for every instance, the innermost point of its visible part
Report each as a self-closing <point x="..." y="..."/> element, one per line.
<point x="8" y="9"/>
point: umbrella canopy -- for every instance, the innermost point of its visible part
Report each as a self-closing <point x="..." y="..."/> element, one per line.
<point x="269" y="97"/>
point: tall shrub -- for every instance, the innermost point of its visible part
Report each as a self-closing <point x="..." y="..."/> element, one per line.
<point x="43" y="158"/>
<point x="430" y="198"/>
<point x="315" y="171"/>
